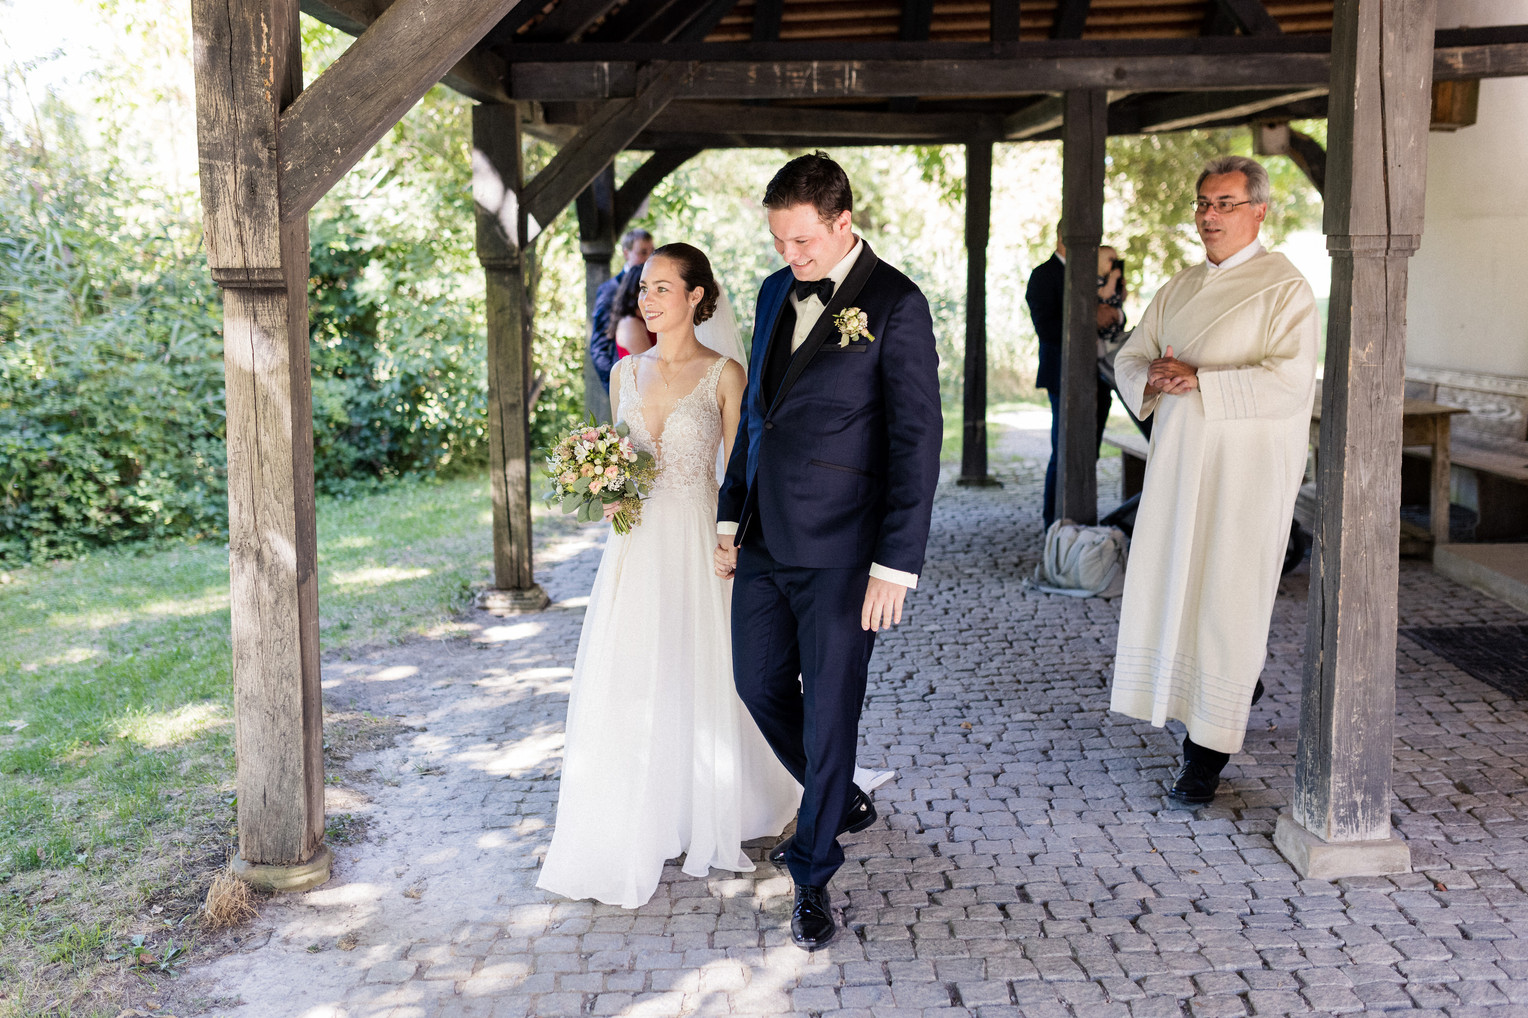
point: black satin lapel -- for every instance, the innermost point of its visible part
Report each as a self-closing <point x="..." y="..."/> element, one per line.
<point x="843" y="297"/>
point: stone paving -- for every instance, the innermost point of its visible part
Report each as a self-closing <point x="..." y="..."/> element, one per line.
<point x="1025" y="863"/>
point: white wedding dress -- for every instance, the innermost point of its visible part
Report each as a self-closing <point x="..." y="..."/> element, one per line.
<point x="662" y="758"/>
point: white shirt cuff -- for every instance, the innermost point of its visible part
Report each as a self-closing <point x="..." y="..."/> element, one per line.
<point x="726" y="529"/>
<point x="880" y="572"/>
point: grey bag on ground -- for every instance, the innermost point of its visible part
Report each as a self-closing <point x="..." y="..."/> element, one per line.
<point x="1081" y="561"/>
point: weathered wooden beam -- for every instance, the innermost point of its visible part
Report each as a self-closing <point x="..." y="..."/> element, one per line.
<point x="659" y="140"/>
<point x="1084" y="135"/>
<point x="248" y="68"/>
<point x="1250" y="16"/>
<point x="597" y="229"/>
<point x="1004" y="24"/>
<point x="611" y="130"/>
<point x="784" y="120"/>
<point x="363" y="94"/>
<point x="973" y="447"/>
<point x="1178" y="112"/>
<point x="479" y="75"/>
<point x="1377" y="167"/>
<point x="502" y="243"/>
<point x="1043" y="115"/>
<point x="846" y="79"/>
<point x="879" y="70"/>
<point x="1071" y="18"/>
<point x="635" y="188"/>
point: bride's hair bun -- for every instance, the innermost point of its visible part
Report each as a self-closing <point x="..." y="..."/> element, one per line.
<point x="695" y="270"/>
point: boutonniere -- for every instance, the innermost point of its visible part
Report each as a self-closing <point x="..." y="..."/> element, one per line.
<point x="852" y="324"/>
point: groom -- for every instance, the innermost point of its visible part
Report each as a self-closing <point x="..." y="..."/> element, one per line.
<point x="824" y="512"/>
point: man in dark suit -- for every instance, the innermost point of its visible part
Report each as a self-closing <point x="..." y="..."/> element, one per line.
<point x="636" y="248"/>
<point x="1046" y="297"/>
<point x="824" y="512"/>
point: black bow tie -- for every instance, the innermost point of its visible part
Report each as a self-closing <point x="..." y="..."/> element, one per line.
<point x="823" y="288"/>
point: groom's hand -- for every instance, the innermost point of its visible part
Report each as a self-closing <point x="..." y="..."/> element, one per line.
<point x="883" y="605"/>
<point x="725" y="556"/>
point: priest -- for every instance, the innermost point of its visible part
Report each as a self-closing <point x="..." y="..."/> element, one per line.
<point x="1225" y="360"/>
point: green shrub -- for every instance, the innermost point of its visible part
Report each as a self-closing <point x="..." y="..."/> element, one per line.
<point x="111" y="376"/>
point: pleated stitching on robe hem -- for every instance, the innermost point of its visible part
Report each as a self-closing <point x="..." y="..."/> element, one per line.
<point x="1223" y="468"/>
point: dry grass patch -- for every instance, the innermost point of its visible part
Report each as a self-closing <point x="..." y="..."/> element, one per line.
<point x="230" y="902"/>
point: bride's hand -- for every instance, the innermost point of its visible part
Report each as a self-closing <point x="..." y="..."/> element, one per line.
<point x="611" y="508"/>
<point x="725" y="557"/>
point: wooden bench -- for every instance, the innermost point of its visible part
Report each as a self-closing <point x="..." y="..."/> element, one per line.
<point x="1488" y="449"/>
<point x="1132" y="449"/>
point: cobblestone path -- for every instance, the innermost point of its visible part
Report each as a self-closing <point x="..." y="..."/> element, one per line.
<point x="1025" y="863"/>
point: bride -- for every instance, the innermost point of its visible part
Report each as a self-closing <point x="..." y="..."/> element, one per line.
<point x="662" y="758"/>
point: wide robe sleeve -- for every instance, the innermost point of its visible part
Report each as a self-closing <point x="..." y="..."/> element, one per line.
<point x="1133" y="362"/>
<point x="1281" y="384"/>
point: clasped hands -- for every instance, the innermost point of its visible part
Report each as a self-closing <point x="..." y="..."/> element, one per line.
<point x="883" y="599"/>
<point x="1170" y="376"/>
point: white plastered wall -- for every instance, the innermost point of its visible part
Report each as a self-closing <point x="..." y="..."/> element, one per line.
<point x="1467" y="306"/>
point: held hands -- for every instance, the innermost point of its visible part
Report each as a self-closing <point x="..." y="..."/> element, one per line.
<point x="725" y="556"/>
<point x="1170" y="376"/>
<point x="883" y="605"/>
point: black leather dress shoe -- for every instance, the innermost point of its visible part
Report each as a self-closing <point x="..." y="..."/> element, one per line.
<point x="811" y="920"/>
<point x="861" y="815"/>
<point x="1195" y="785"/>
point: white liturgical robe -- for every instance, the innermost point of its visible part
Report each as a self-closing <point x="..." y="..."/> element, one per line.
<point x="1225" y="464"/>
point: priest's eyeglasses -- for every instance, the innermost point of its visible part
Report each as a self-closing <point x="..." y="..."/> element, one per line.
<point x="1223" y="206"/>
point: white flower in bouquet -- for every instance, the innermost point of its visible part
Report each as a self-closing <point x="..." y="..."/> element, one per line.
<point x="595" y="466"/>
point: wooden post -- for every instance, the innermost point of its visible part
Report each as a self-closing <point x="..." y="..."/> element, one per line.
<point x="1085" y="128"/>
<point x="973" y="450"/>
<point x="596" y="240"/>
<point x="248" y="69"/>
<point x="497" y="176"/>
<point x="1376" y="172"/>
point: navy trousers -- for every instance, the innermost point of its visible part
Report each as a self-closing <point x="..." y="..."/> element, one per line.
<point x="790" y="621"/>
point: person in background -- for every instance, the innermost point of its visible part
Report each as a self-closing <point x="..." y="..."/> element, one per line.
<point x="1225" y="361"/>
<point x="627" y="326"/>
<point x="636" y="248"/>
<point x="1046" y="297"/>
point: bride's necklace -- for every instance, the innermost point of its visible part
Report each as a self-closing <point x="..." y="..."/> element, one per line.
<point x="659" y="361"/>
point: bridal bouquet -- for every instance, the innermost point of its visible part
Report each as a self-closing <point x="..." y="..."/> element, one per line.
<point x="595" y="466"/>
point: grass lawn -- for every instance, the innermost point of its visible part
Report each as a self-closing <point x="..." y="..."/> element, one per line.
<point x="116" y="729"/>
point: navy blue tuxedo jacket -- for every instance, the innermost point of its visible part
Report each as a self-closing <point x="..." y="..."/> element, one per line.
<point x="840" y="467"/>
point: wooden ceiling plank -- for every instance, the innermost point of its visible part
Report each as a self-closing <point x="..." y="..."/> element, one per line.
<point x="360" y="96"/>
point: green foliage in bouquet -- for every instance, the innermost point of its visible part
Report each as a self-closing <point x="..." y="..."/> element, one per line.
<point x="596" y="465"/>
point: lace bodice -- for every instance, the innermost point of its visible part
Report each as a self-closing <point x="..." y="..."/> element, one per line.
<point x="686" y="448"/>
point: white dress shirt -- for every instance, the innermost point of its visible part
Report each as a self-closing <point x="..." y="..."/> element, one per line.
<point x="807" y="313"/>
<point x="1244" y="255"/>
<point x="811" y="309"/>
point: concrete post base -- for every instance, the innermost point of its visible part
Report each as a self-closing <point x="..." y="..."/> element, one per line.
<point x="513" y="602"/>
<point x="288" y="879"/>
<point x="1331" y="860"/>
